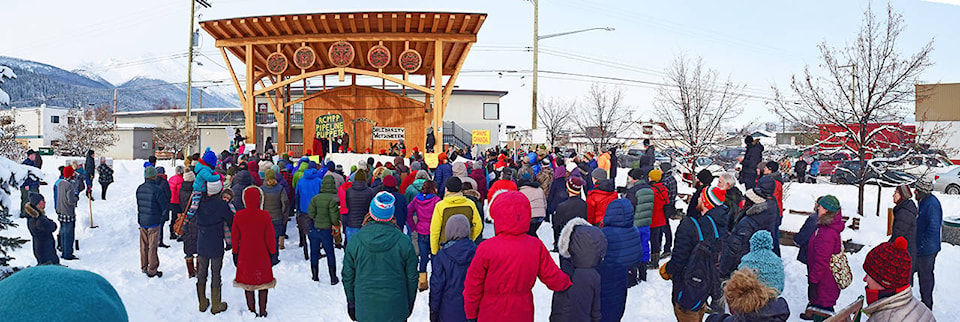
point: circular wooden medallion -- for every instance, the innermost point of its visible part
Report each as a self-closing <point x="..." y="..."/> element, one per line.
<point x="341" y="54"/>
<point x="410" y="60"/>
<point x="378" y="56"/>
<point x="304" y="57"/>
<point x="277" y="63"/>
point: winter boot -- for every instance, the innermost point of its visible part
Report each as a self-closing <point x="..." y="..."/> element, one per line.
<point x="191" y="267"/>
<point x="654" y="261"/>
<point x="333" y="276"/>
<point x="216" y="306"/>
<point x="282" y="243"/>
<point x="633" y="277"/>
<point x="202" y="297"/>
<point x="424" y="285"/>
<point x="306" y="254"/>
<point x="316" y="271"/>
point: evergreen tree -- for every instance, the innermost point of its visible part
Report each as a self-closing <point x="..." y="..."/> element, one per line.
<point x="12" y="175"/>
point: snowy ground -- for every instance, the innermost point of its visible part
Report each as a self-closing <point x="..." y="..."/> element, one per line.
<point x="112" y="251"/>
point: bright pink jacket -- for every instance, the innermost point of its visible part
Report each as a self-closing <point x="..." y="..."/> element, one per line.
<point x="503" y="271"/>
<point x="422" y="206"/>
<point x="175" y="182"/>
<point x="342" y="195"/>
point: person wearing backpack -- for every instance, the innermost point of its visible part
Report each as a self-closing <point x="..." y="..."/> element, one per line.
<point x="623" y="255"/>
<point x="695" y="256"/>
<point x="582" y="247"/>
<point x="822" y="288"/>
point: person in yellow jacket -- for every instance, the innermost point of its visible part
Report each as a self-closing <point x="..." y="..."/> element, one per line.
<point x="453" y="203"/>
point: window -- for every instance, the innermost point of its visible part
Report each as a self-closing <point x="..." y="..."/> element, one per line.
<point x="71" y="120"/>
<point x="491" y="111"/>
<point x="297" y="108"/>
<point x="55" y="119"/>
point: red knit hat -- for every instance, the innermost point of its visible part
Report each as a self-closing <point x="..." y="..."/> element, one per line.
<point x="390" y="181"/>
<point x="712" y="196"/>
<point x="67" y="172"/>
<point x="442" y="157"/>
<point x="889" y="264"/>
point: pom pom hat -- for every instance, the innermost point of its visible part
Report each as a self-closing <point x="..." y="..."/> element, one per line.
<point x="889" y="264"/>
<point x="381" y="207"/>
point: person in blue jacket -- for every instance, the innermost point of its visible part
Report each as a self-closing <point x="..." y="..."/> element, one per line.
<point x="623" y="253"/>
<point x="443" y="172"/>
<point x="450" y="270"/>
<point x="929" y="223"/>
<point x="307" y="188"/>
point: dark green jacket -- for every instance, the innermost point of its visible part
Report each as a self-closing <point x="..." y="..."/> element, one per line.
<point x="380" y="273"/>
<point x="325" y="206"/>
<point x="643" y="213"/>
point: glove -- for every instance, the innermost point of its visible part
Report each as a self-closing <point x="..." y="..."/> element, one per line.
<point x="434" y="316"/>
<point x="228" y="247"/>
<point x="235" y="259"/>
<point x="352" y="311"/>
<point x="642" y="272"/>
<point x="274" y="259"/>
<point x="663" y="272"/>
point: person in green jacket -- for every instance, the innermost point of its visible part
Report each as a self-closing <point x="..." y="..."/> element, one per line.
<point x="416" y="186"/>
<point x="324" y="209"/>
<point x="380" y="267"/>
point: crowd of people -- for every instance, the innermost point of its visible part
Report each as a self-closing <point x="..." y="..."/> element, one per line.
<point x="406" y="227"/>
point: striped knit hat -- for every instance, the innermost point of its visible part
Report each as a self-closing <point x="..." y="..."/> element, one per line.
<point x="381" y="207"/>
<point x="574" y="185"/>
<point x="712" y="196"/>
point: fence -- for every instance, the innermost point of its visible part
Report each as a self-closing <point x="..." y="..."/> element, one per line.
<point x="455" y="135"/>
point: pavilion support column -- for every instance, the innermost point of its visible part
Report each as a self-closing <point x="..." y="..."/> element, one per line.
<point x="249" y="105"/>
<point x="427" y="110"/>
<point x="438" y="94"/>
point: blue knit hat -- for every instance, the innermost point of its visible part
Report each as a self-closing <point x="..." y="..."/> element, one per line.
<point x="50" y="293"/>
<point x="381" y="207"/>
<point x="209" y="158"/>
<point x="761" y="258"/>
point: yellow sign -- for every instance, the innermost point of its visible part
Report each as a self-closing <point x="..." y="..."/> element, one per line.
<point x="432" y="159"/>
<point x="481" y="136"/>
<point x="329" y="126"/>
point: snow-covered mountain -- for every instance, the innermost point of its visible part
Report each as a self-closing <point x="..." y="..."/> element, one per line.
<point x="39" y="83"/>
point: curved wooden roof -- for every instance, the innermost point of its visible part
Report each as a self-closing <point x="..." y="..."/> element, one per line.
<point x="396" y="31"/>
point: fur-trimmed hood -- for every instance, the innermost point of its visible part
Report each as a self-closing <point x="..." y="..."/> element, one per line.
<point x="584" y="244"/>
<point x="32" y="211"/>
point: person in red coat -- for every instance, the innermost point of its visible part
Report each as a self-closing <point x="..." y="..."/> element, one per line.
<point x="254" y="249"/>
<point x="504" y="269"/>
<point x="599" y="198"/>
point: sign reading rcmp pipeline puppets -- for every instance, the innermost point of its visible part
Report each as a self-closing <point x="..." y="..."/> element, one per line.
<point x="329" y="126"/>
<point x="388" y="133"/>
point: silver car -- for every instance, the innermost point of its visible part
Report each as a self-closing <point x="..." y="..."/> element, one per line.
<point x="948" y="182"/>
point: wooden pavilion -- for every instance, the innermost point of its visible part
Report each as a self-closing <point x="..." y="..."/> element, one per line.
<point x="281" y="50"/>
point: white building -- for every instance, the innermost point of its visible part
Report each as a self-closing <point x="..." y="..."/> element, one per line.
<point x="40" y="124"/>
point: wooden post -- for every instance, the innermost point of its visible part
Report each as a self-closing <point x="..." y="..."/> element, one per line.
<point x="249" y="105"/>
<point x="438" y="92"/>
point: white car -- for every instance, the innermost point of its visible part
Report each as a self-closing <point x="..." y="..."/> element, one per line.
<point x="948" y="182"/>
<point x="924" y="166"/>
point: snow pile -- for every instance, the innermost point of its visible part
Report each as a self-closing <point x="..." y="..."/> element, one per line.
<point x="12" y="175"/>
<point x="5" y="72"/>
<point x="112" y="251"/>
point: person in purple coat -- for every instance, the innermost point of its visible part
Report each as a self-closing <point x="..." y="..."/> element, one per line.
<point x="822" y="288"/>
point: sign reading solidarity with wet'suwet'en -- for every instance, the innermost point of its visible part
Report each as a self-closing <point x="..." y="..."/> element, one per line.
<point x="388" y="133"/>
<point x="329" y="126"/>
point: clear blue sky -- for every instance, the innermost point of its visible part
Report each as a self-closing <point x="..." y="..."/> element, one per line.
<point x="757" y="43"/>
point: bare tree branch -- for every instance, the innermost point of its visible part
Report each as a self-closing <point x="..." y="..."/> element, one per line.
<point x="554" y="116"/>
<point x="603" y="115"/>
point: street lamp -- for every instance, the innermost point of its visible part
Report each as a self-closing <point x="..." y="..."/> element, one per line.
<point x="536" y="39"/>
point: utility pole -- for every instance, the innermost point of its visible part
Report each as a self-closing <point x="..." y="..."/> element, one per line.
<point x="536" y="39"/>
<point x="114" y="106"/>
<point x="193" y="3"/>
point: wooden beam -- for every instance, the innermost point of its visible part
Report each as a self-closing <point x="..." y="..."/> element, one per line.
<point x="421" y="24"/>
<point x="436" y="23"/>
<point x="259" y="27"/>
<point x="323" y="22"/>
<point x="337" y="70"/>
<point x="353" y="23"/>
<point x="249" y="106"/>
<point x="245" y="26"/>
<point x="366" y="23"/>
<point x="272" y="26"/>
<point x="450" y="22"/>
<point x="229" y="26"/>
<point x="298" y="25"/>
<point x="233" y="76"/>
<point x="448" y="89"/>
<point x="379" y="23"/>
<point x="218" y="29"/>
<point x="406" y="23"/>
<point x="479" y="23"/>
<point x="399" y="36"/>
<point x="466" y="21"/>
<point x="286" y="25"/>
<point x="393" y="23"/>
<point x="312" y="24"/>
<point x="336" y="18"/>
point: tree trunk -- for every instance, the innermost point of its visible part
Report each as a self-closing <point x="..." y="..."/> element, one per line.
<point x="863" y="173"/>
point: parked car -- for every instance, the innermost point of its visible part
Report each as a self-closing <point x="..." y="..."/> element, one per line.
<point x="924" y="165"/>
<point x="731" y="154"/>
<point x="848" y="172"/>
<point x="948" y="182"/>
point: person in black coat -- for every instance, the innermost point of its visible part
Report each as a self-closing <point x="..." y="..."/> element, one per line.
<point x="751" y="159"/>
<point x="614" y="163"/>
<point x="648" y="158"/>
<point x="573" y="207"/>
<point x="151" y="205"/>
<point x="212" y="214"/>
<point x="41" y="229"/>
<point x="686" y="240"/>
<point x="450" y="270"/>
<point x="358" y="198"/>
<point x="90" y="167"/>
<point x="905" y="221"/>
<point x="800" y="170"/>
<point x="581" y="248"/>
<point x="761" y="214"/>
<point x="802" y="238"/>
